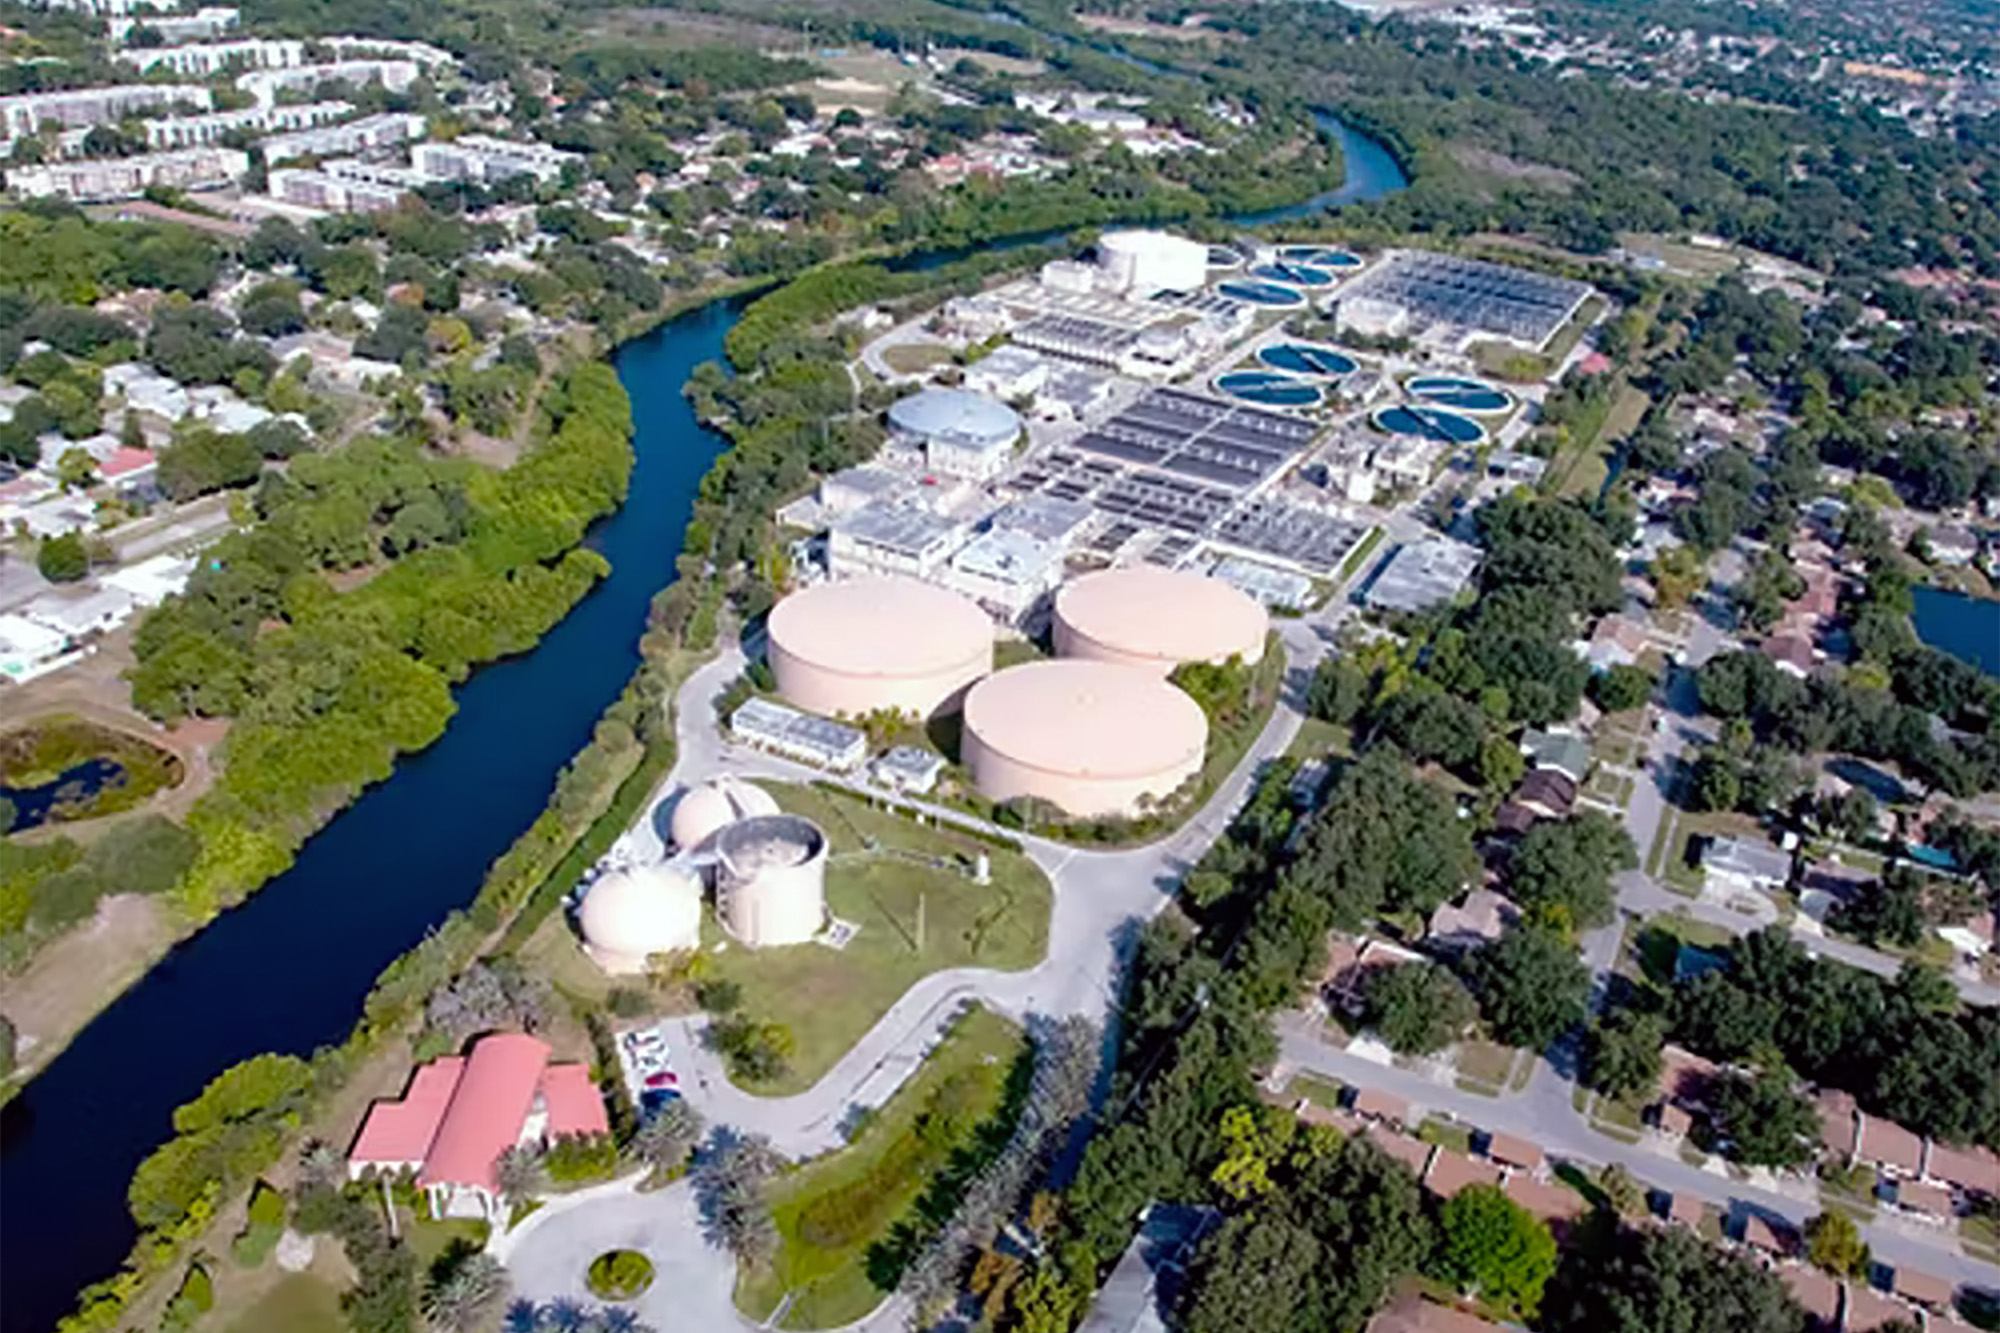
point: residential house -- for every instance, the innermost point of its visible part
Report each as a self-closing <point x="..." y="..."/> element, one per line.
<point x="1552" y="1203"/>
<point x="1452" y="1171"/>
<point x="1547" y="793"/>
<point x="1816" y="1293"/>
<point x="462" y="1112"/>
<point x="1839" y="1122"/>
<point x="1746" y="864"/>
<point x="1886" y="1144"/>
<point x="1565" y="752"/>
<point x="1481" y="919"/>
<point x="1968" y="1170"/>
<point x="1925" y="1289"/>
<point x="1413" y="1314"/>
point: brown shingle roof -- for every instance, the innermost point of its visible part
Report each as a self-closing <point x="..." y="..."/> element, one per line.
<point x="1684" y="1076"/>
<point x="1511" y="1151"/>
<point x="1411" y="1152"/>
<point x="1888" y="1143"/>
<point x="1929" y="1200"/>
<point x="1817" y="1293"/>
<point x="1686" y="1209"/>
<point x="1453" y="1171"/>
<point x="1761" y="1234"/>
<point x="1413" y="1314"/>
<point x="1923" y="1288"/>
<point x="1868" y="1309"/>
<point x="1379" y="1105"/>
<point x="1837" y="1121"/>
<point x="1975" y="1169"/>
<point x="1550" y="1202"/>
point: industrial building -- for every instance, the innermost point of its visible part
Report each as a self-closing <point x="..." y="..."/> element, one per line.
<point x="483" y="160"/>
<point x="214" y="126"/>
<point x="1093" y="739"/>
<point x="888" y="537"/>
<point x="1422" y="574"/>
<point x="961" y="434"/>
<point x="632" y="913"/>
<point x="1156" y="619"/>
<point x="787" y="731"/>
<point x="385" y="130"/>
<point x="857" y="646"/>
<point x="770" y="883"/>
<point x="702" y="812"/>
<point x="125" y="177"/>
<point x="1010" y="373"/>
<point x="1413" y="292"/>
<point x="1143" y="262"/>
<point x="26" y="113"/>
<point x="1008" y="572"/>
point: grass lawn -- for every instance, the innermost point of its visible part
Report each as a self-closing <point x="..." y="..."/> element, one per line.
<point x="428" y="1239"/>
<point x="915" y="358"/>
<point x="832" y="1212"/>
<point x="830" y="997"/>
<point x="1486" y="1062"/>
<point x="1592" y="464"/>
<point x="300" y="1303"/>
<point x="1318" y="738"/>
<point x="1357" y="559"/>
<point x="1321" y="1092"/>
<point x="1446" y="1133"/>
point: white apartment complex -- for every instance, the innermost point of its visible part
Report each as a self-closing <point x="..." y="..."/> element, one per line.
<point x="266" y="84"/>
<point x="483" y="159"/>
<point x="355" y="136"/>
<point x="423" y="53"/>
<point x="203" y="59"/>
<point x="115" y="8"/>
<point x="338" y="188"/>
<point x="208" y="21"/>
<point x="123" y="177"/>
<point x="26" y="113"/>
<point x="194" y="131"/>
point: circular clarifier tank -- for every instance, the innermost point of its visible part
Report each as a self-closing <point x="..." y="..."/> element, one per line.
<point x="1262" y="293"/>
<point x="1319" y="256"/>
<point x="1460" y="394"/>
<point x="1223" y="256"/>
<point x="1430" y="423"/>
<point x="1306" y="359"/>
<point x="1270" y="389"/>
<point x="1293" y="275"/>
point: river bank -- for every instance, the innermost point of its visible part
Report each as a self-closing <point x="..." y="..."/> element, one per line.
<point x="287" y="970"/>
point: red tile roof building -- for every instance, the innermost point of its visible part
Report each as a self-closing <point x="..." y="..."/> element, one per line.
<point x="461" y="1113"/>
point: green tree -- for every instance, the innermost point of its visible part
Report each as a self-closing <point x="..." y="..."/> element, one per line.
<point x="1568" y="864"/>
<point x="64" y="558"/>
<point x="1622" y="1051"/>
<point x="1759" y="1120"/>
<point x="1418" y="1008"/>
<point x="1668" y="1280"/>
<point x="1833" y="1243"/>
<point x="1531" y="986"/>
<point x="1621" y="688"/>
<point x="1497" y="1249"/>
<point x="75" y="470"/>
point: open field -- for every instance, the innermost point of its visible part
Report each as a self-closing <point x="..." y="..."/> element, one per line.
<point x="300" y="1303"/>
<point x="905" y="885"/>
<point x="832" y="1213"/>
<point x="916" y="358"/>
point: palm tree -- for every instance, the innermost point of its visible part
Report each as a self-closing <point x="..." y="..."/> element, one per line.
<point x="666" y="1137"/>
<point x="462" y="1299"/>
<point x="564" y="1315"/>
<point x="319" y="1162"/>
<point x="617" y="1319"/>
<point x="523" y="1316"/>
<point x="521" y="1175"/>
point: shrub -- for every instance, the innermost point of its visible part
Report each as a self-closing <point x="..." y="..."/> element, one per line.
<point x="619" y="1275"/>
<point x="580" y="1157"/>
<point x="260" y="1233"/>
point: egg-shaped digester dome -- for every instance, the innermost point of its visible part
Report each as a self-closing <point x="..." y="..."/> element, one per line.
<point x="632" y="913"/>
<point x="1092" y="738"/>
<point x="703" y="811"/>
<point x="1157" y="619"/>
<point x="854" y="646"/>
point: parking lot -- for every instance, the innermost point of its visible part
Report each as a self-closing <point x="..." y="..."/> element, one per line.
<point x="647" y="1060"/>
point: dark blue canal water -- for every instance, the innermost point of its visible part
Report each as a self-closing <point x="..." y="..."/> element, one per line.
<point x="287" y="971"/>
<point x="1965" y="627"/>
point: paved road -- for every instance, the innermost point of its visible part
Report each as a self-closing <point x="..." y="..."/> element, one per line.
<point x="1543" y="1113"/>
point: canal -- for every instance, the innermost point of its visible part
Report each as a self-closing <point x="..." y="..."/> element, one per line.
<point x="287" y="971"/>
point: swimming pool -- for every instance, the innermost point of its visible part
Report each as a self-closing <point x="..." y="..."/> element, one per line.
<point x="1429" y="423"/>
<point x="1319" y="255"/>
<point x="1296" y="275"/>
<point x="1306" y="359"/>
<point x="1261" y="293"/>
<point x="1463" y="394"/>
<point x="1270" y="389"/>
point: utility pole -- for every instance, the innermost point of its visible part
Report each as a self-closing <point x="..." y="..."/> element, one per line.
<point x="920" y="921"/>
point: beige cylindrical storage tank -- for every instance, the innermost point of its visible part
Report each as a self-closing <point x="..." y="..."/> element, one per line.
<point x="771" y="880"/>
<point x="703" y="811"/>
<point x="858" y="645"/>
<point x="1092" y="738"/>
<point x="631" y="914"/>
<point x="1146" y="616"/>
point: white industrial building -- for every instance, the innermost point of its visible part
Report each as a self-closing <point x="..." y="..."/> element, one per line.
<point x="483" y="160"/>
<point x="1008" y="373"/>
<point x="124" y="177"/>
<point x="201" y="60"/>
<point x="1143" y="262"/>
<point x="1007" y="571"/>
<point x="208" y="21"/>
<point x="890" y="538"/>
<point x="26" y="113"/>
<point x="266" y="84"/>
<point x="214" y="126"/>
<point x="787" y="731"/>
<point x="962" y="434"/>
<point x="1422" y="574"/>
<point x="384" y="130"/>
